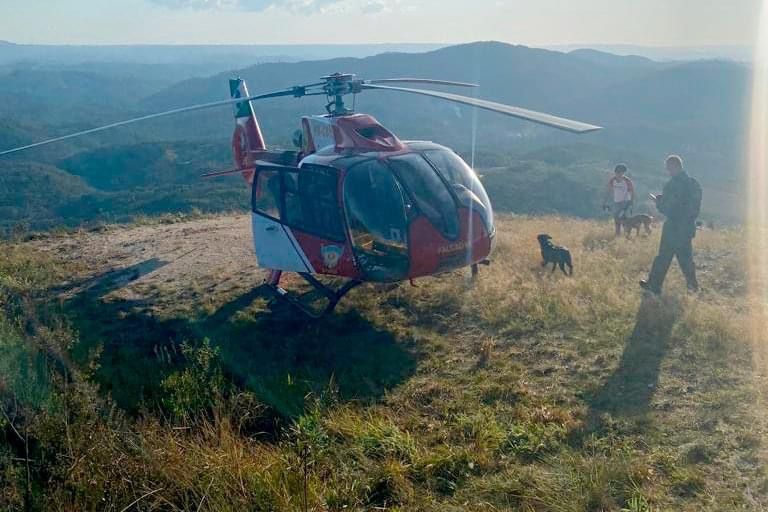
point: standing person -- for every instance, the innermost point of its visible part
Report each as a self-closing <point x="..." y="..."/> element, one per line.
<point x="622" y="191"/>
<point x="680" y="203"/>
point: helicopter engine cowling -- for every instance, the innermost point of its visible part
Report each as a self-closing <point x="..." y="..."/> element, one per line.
<point x="353" y="132"/>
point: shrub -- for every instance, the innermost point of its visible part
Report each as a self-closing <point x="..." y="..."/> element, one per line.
<point x="197" y="388"/>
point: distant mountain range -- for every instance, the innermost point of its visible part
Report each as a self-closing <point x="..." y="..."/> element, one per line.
<point x="742" y="53"/>
<point x="237" y="54"/>
<point x="648" y="108"/>
<point x="231" y="56"/>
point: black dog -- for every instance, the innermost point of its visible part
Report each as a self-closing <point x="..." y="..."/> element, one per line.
<point x="557" y="256"/>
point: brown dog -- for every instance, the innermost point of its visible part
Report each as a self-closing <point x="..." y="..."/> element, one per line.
<point x="635" y="222"/>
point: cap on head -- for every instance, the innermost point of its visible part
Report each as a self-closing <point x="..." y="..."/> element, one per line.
<point x="620" y="169"/>
<point x="674" y="162"/>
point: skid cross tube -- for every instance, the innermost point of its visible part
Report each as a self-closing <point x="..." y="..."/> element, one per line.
<point x="332" y="295"/>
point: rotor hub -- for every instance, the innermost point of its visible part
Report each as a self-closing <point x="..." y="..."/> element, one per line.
<point x="336" y="87"/>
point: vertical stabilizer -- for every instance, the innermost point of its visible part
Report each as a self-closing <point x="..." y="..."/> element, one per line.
<point x="247" y="137"/>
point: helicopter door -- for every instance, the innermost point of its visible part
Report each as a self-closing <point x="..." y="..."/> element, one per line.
<point x="311" y="211"/>
<point x="378" y="221"/>
<point x="275" y="245"/>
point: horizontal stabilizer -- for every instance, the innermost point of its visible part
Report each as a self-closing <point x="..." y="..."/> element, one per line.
<point x="258" y="164"/>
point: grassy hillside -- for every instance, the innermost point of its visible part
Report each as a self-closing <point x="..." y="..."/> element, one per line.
<point x="135" y="373"/>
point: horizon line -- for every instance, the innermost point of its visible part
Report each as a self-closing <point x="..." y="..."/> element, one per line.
<point x="405" y="43"/>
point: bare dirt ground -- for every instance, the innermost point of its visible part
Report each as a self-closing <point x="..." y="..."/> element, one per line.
<point x="163" y="265"/>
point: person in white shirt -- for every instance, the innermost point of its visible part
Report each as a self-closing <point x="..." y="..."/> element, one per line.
<point x="621" y="191"/>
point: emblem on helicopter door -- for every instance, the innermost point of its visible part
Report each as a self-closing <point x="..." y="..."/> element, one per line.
<point x="331" y="255"/>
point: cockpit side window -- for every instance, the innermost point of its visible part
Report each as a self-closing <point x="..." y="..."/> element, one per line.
<point x="429" y="192"/>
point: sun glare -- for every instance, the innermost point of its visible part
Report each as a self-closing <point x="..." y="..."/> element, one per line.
<point x="757" y="183"/>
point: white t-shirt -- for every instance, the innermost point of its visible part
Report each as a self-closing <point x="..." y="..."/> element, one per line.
<point x="622" y="189"/>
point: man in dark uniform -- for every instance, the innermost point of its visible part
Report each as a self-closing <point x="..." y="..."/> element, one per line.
<point x="680" y="203"/>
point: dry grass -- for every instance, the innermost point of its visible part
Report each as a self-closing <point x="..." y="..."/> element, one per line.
<point x="527" y="391"/>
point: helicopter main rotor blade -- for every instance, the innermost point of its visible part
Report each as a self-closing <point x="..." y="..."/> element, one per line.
<point x="182" y="110"/>
<point x="420" y="81"/>
<point x="560" y="123"/>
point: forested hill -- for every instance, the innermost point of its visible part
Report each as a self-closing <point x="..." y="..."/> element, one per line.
<point x="648" y="109"/>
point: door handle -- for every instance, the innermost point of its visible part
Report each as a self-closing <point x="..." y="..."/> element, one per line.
<point x="270" y="228"/>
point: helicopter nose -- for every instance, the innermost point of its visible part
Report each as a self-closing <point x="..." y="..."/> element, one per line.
<point x="431" y="252"/>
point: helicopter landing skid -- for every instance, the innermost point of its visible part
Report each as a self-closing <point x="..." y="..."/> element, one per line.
<point x="304" y="302"/>
<point x="476" y="268"/>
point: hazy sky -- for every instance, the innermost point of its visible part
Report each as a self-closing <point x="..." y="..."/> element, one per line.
<point x="535" y="22"/>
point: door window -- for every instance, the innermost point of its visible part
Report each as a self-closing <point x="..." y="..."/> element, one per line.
<point x="304" y="199"/>
<point x="311" y="202"/>
<point x="266" y="194"/>
<point x="376" y="212"/>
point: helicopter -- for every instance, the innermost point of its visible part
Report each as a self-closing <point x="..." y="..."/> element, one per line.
<point x="353" y="200"/>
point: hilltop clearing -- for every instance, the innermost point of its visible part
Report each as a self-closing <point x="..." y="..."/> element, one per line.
<point x="139" y="366"/>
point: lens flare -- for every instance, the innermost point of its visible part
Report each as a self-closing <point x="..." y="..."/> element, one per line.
<point x="757" y="186"/>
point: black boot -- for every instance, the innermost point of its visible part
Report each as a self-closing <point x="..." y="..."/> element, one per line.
<point x="646" y="285"/>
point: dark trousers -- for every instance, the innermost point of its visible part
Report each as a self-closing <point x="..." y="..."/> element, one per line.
<point x="673" y="244"/>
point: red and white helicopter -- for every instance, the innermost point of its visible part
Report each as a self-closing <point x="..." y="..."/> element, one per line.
<point x="355" y="201"/>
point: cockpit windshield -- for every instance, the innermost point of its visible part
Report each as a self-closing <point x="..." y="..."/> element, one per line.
<point x="429" y="192"/>
<point x="464" y="181"/>
<point x="382" y="195"/>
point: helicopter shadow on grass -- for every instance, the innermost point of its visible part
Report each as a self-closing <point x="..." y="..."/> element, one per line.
<point x="118" y="339"/>
<point x="270" y="350"/>
<point x="283" y="357"/>
<point x="629" y="390"/>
